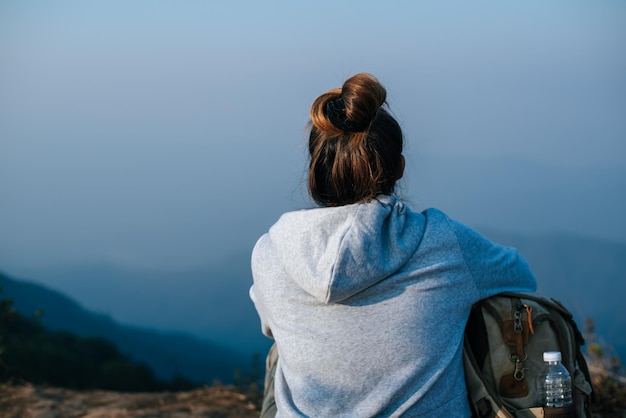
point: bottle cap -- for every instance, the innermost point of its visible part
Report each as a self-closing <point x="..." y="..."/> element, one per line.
<point x="552" y="356"/>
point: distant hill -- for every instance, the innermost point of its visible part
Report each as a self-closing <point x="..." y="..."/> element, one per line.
<point x="167" y="353"/>
<point x="210" y="302"/>
<point x="31" y="353"/>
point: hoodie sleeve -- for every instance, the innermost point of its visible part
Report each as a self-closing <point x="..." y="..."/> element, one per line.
<point x="267" y="331"/>
<point x="495" y="268"/>
<point x="258" y="272"/>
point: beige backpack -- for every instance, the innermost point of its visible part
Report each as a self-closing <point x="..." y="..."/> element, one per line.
<point x="505" y="338"/>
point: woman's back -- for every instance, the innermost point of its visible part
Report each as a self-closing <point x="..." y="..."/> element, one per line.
<point x="367" y="304"/>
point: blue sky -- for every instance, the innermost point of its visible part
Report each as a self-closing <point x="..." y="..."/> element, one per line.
<point x="171" y="133"/>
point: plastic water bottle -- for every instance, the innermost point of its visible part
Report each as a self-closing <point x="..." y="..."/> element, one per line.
<point x="556" y="386"/>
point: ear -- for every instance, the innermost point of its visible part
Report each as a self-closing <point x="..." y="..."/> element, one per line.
<point x="400" y="168"/>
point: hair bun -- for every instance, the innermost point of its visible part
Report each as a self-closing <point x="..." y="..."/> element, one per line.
<point x="335" y="111"/>
<point x="351" y="108"/>
<point x="362" y="95"/>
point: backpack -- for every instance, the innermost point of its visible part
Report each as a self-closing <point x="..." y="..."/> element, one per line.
<point x="505" y="338"/>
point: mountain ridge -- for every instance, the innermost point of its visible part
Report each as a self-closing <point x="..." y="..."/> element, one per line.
<point x="168" y="353"/>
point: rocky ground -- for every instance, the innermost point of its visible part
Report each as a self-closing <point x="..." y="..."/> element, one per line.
<point x="27" y="401"/>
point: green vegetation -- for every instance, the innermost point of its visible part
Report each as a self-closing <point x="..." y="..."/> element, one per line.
<point x="608" y="375"/>
<point x="29" y="352"/>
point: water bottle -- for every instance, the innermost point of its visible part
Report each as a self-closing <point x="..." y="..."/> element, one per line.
<point x="556" y="383"/>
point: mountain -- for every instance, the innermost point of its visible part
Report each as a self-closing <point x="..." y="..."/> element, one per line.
<point x="211" y="302"/>
<point x="169" y="354"/>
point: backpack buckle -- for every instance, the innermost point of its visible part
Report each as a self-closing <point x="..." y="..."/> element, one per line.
<point x="519" y="372"/>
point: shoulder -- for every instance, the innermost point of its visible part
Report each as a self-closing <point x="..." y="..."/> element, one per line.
<point x="439" y="223"/>
<point x="436" y="218"/>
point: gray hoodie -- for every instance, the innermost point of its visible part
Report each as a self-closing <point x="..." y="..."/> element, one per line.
<point x="368" y="303"/>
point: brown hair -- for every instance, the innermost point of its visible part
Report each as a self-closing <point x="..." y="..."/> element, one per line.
<point x="355" y="144"/>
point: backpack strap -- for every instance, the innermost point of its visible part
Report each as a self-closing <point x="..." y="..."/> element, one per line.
<point x="482" y="398"/>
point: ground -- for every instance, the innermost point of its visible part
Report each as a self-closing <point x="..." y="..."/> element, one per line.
<point x="27" y="401"/>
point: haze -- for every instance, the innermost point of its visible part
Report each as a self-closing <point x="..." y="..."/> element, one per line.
<point x="171" y="134"/>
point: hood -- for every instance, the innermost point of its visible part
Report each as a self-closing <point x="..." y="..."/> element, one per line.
<point x="334" y="253"/>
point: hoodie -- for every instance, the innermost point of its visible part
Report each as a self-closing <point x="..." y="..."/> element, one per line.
<point x="368" y="303"/>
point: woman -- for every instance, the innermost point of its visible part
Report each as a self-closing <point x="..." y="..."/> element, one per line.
<point x="367" y="300"/>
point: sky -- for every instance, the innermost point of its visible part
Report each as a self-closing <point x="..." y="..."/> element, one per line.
<point x="170" y="134"/>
